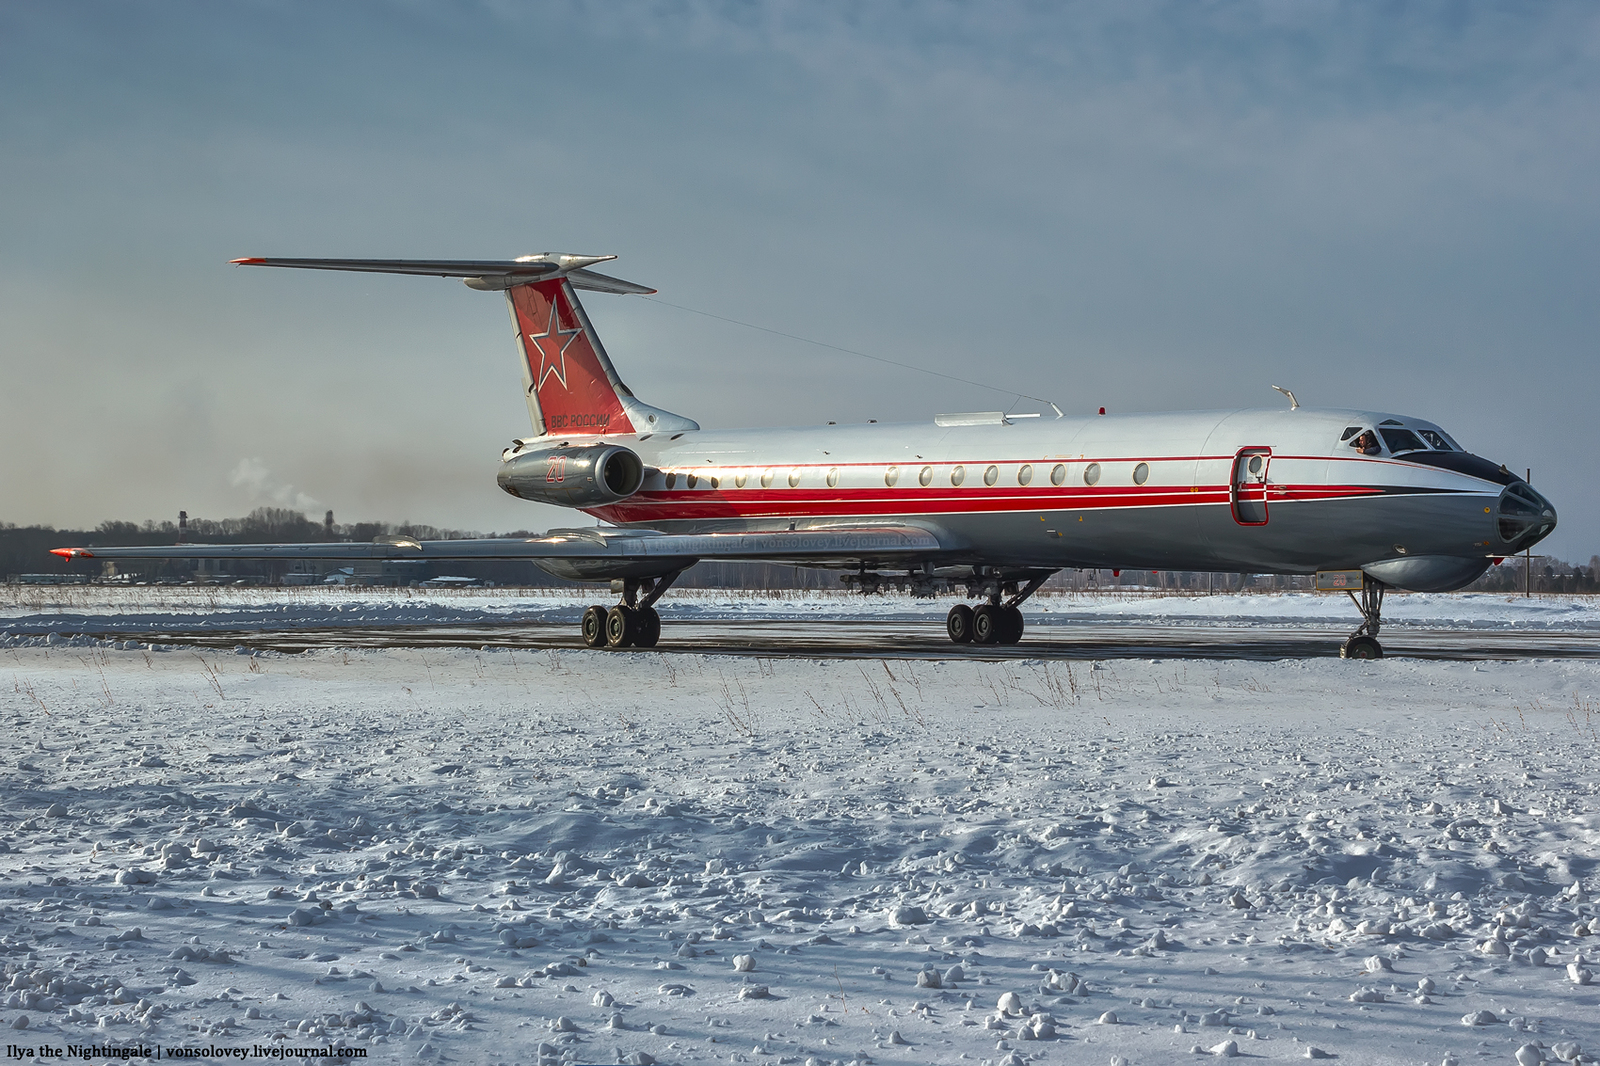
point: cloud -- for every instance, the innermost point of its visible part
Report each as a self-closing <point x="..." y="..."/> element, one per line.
<point x="262" y="488"/>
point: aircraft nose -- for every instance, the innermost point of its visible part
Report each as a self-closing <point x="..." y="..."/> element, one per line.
<point x="1523" y="517"/>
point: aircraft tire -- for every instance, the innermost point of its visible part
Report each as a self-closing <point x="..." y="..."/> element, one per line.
<point x="1012" y="631"/>
<point x="649" y="628"/>
<point x="988" y="624"/>
<point x="594" y="627"/>
<point x="1362" y="647"/>
<point x="959" y="624"/>
<point x="622" y="626"/>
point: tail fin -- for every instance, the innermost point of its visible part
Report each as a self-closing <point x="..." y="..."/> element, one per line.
<point x="567" y="378"/>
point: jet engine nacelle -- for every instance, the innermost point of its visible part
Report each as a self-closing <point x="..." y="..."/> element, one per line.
<point x="573" y="477"/>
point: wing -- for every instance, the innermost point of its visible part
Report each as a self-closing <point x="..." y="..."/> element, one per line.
<point x="593" y="554"/>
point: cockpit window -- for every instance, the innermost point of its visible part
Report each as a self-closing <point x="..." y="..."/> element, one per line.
<point x="1402" y="440"/>
<point x="1366" y="441"/>
<point x="1436" y="439"/>
<point x="1350" y="432"/>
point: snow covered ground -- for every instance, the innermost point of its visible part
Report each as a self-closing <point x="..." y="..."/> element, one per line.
<point x="488" y="857"/>
<point x="72" y="609"/>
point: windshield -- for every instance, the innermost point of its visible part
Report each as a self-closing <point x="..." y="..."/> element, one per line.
<point x="1402" y="440"/>
<point x="1390" y="435"/>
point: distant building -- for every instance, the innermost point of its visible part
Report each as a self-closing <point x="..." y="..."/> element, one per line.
<point x="448" y="582"/>
<point x="304" y="572"/>
<point x="378" y="572"/>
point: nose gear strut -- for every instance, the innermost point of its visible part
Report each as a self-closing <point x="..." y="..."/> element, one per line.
<point x="1363" y="643"/>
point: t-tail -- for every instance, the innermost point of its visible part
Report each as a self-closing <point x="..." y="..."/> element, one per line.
<point x="568" y="380"/>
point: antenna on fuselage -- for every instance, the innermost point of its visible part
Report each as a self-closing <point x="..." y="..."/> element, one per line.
<point x="1294" y="404"/>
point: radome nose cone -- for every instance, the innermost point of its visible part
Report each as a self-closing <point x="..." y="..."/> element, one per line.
<point x="1524" y="516"/>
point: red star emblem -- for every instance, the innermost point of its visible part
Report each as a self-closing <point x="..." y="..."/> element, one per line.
<point x="552" y="345"/>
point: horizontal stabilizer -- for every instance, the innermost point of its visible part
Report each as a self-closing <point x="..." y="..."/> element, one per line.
<point x="492" y="273"/>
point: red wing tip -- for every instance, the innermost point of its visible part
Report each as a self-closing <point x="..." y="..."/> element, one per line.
<point x="72" y="553"/>
<point x="247" y="261"/>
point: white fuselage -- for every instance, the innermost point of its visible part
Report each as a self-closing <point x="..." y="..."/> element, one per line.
<point x="1159" y="491"/>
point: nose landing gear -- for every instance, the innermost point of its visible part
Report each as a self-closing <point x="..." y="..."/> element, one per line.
<point x="633" y="623"/>
<point x="1363" y="643"/>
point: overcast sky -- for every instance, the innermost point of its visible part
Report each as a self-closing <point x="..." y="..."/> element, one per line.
<point x="1146" y="206"/>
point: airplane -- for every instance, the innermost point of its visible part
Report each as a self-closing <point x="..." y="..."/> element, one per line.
<point x="984" y="503"/>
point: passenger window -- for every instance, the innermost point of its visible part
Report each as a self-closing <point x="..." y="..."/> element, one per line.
<point x="1402" y="440"/>
<point x="672" y="479"/>
<point x="1141" y="473"/>
<point x="1025" y="473"/>
<point x="739" y="479"/>
<point x="833" y="477"/>
<point x="1435" y="439"/>
<point x="693" y="480"/>
<point x="1058" y="474"/>
<point x="766" y="479"/>
<point x="891" y="475"/>
<point x="794" y="478"/>
<point x="716" y="482"/>
<point x="1091" y="473"/>
<point x="991" y="475"/>
<point x="958" y="475"/>
<point x="926" y="477"/>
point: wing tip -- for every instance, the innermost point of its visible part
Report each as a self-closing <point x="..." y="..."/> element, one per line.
<point x="247" y="261"/>
<point x="72" y="553"/>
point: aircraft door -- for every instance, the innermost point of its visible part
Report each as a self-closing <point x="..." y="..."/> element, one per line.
<point x="1248" y="490"/>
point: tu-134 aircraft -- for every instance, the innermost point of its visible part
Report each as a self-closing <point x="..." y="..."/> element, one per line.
<point x="985" y="503"/>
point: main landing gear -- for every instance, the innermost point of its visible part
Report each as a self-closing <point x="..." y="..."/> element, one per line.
<point x="993" y="622"/>
<point x="1363" y="643"/>
<point x="633" y="623"/>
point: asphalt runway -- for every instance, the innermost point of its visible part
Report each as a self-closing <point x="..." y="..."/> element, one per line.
<point x="901" y="639"/>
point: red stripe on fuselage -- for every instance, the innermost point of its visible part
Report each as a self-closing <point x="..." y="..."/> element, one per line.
<point x="830" y="503"/>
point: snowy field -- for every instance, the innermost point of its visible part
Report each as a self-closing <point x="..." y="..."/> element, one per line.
<point x="574" y="857"/>
<point x="39" y="610"/>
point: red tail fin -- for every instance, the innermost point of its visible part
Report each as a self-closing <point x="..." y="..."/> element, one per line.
<point x="570" y="383"/>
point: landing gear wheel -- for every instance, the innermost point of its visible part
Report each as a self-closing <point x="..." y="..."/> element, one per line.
<point x="1363" y="643"/>
<point x="648" y="627"/>
<point x="988" y="624"/>
<point x="1011" y="631"/>
<point x="959" y="624"/>
<point x="594" y="627"/>
<point x="622" y="626"/>
<point x="1361" y="647"/>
